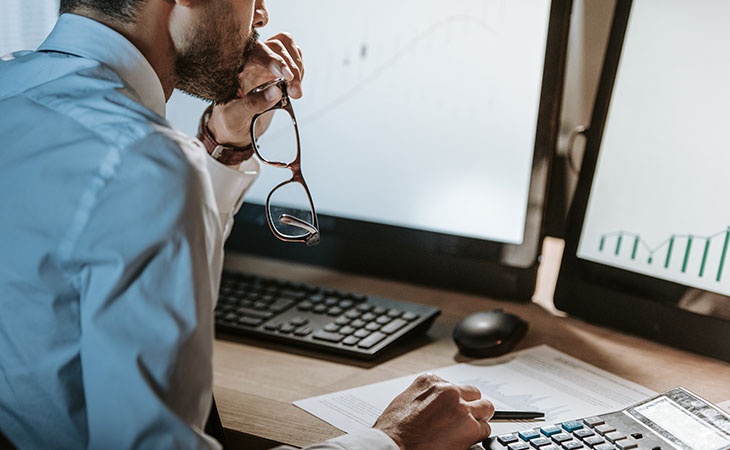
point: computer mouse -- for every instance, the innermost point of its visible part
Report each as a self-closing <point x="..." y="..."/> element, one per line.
<point x="488" y="333"/>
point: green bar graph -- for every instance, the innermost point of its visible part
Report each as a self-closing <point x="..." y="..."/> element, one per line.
<point x="636" y="247"/>
<point x="724" y="253"/>
<point x="669" y="252"/>
<point x="714" y="253"/>
<point x="686" y="254"/>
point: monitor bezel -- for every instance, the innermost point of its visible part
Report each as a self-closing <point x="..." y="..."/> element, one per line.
<point x="607" y="295"/>
<point x="437" y="259"/>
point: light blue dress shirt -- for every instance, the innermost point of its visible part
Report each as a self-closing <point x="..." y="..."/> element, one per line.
<point x="111" y="249"/>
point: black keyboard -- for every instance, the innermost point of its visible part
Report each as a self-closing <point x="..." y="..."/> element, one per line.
<point x="324" y="319"/>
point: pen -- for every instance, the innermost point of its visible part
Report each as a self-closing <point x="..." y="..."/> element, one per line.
<point x="516" y="415"/>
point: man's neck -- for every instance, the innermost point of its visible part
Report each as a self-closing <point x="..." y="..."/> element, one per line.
<point x="150" y="35"/>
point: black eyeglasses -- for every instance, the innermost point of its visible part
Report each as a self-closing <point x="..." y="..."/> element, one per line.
<point x="280" y="147"/>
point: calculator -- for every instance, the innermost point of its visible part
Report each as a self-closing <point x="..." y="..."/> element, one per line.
<point x="676" y="419"/>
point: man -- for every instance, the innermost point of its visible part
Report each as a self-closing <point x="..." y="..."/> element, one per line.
<point x="113" y="228"/>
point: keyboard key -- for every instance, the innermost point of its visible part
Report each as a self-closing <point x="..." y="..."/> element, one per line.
<point x="528" y="434"/>
<point x="507" y="439"/>
<point x="331" y="327"/>
<point x="372" y="326"/>
<point x="319" y="309"/>
<point x="593" y="440"/>
<point x="342" y="320"/>
<point x="357" y="323"/>
<point x="351" y="340"/>
<point x="273" y="326"/>
<point x="540" y="442"/>
<point x="281" y="305"/>
<point x="572" y="445"/>
<point x="334" y="311"/>
<point x="393" y="313"/>
<point x="286" y="328"/>
<point x="254" y="313"/>
<point x="550" y="430"/>
<point x="382" y="320"/>
<point x="303" y="331"/>
<point x="345" y="304"/>
<point x="346" y="330"/>
<point x="572" y="425"/>
<point x="378" y="310"/>
<point x="367" y="317"/>
<point x="316" y="298"/>
<point x="249" y="321"/>
<point x="331" y="301"/>
<point x="372" y="340"/>
<point x="305" y="306"/>
<point x="364" y="307"/>
<point x="394" y="326"/>
<point x="327" y="336"/>
<point x="352" y="314"/>
<point x="298" y="321"/>
<point x="362" y="333"/>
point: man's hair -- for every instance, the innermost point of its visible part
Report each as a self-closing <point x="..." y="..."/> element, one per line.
<point x="121" y="10"/>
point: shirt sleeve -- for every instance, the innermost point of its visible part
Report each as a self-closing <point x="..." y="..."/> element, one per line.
<point x="370" y="439"/>
<point x="230" y="186"/>
<point x="143" y="249"/>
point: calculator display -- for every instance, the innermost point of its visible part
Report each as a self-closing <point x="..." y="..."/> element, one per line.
<point x="688" y="428"/>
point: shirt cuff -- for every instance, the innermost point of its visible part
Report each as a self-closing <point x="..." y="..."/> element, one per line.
<point x="370" y="439"/>
<point x="230" y="185"/>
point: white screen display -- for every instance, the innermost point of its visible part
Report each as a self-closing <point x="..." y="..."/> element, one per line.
<point x="658" y="204"/>
<point x="683" y="425"/>
<point x="416" y="113"/>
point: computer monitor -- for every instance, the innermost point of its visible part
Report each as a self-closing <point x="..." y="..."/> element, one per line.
<point x="648" y="249"/>
<point x="427" y="130"/>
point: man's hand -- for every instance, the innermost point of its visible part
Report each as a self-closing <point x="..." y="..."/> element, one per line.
<point x="435" y="414"/>
<point x="274" y="58"/>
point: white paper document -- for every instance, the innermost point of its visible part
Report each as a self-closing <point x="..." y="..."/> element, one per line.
<point x="537" y="379"/>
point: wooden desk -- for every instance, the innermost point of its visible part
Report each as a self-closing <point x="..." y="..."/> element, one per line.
<point x="255" y="383"/>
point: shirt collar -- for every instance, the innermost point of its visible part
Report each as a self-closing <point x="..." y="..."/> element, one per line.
<point x="87" y="38"/>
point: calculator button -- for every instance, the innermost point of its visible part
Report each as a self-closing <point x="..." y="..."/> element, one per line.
<point x="561" y="437"/>
<point x="604" y="446"/>
<point x="626" y="445"/>
<point x="593" y="440"/>
<point x="507" y="439"/>
<point x="539" y="442"/>
<point x="528" y="434"/>
<point x="572" y="445"/>
<point x="518" y="446"/>
<point x="549" y="447"/>
<point x="572" y="425"/>
<point x="593" y="421"/>
<point x="615" y="436"/>
<point x="605" y="429"/>
<point x="583" y="433"/>
<point x="550" y="430"/>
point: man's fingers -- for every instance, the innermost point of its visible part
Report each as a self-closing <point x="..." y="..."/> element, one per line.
<point x="293" y="49"/>
<point x="481" y="409"/>
<point x="468" y="392"/>
<point x="294" y="84"/>
<point x="485" y="429"/>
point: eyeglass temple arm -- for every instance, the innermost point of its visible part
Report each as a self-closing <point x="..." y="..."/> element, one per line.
<point x="313" y="238"/>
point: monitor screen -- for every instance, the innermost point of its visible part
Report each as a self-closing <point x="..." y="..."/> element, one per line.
<point x="648" y="246"/>
<point x="415" y="113"/>
<point x="658" y="201"/>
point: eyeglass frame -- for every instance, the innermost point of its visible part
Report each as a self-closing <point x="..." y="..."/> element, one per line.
<point x="312" y="237"/>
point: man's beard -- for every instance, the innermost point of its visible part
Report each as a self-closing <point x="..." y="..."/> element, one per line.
<point x="205" y="69"/>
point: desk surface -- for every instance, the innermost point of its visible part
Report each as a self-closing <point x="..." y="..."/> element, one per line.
<point x="256" y="382"/>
